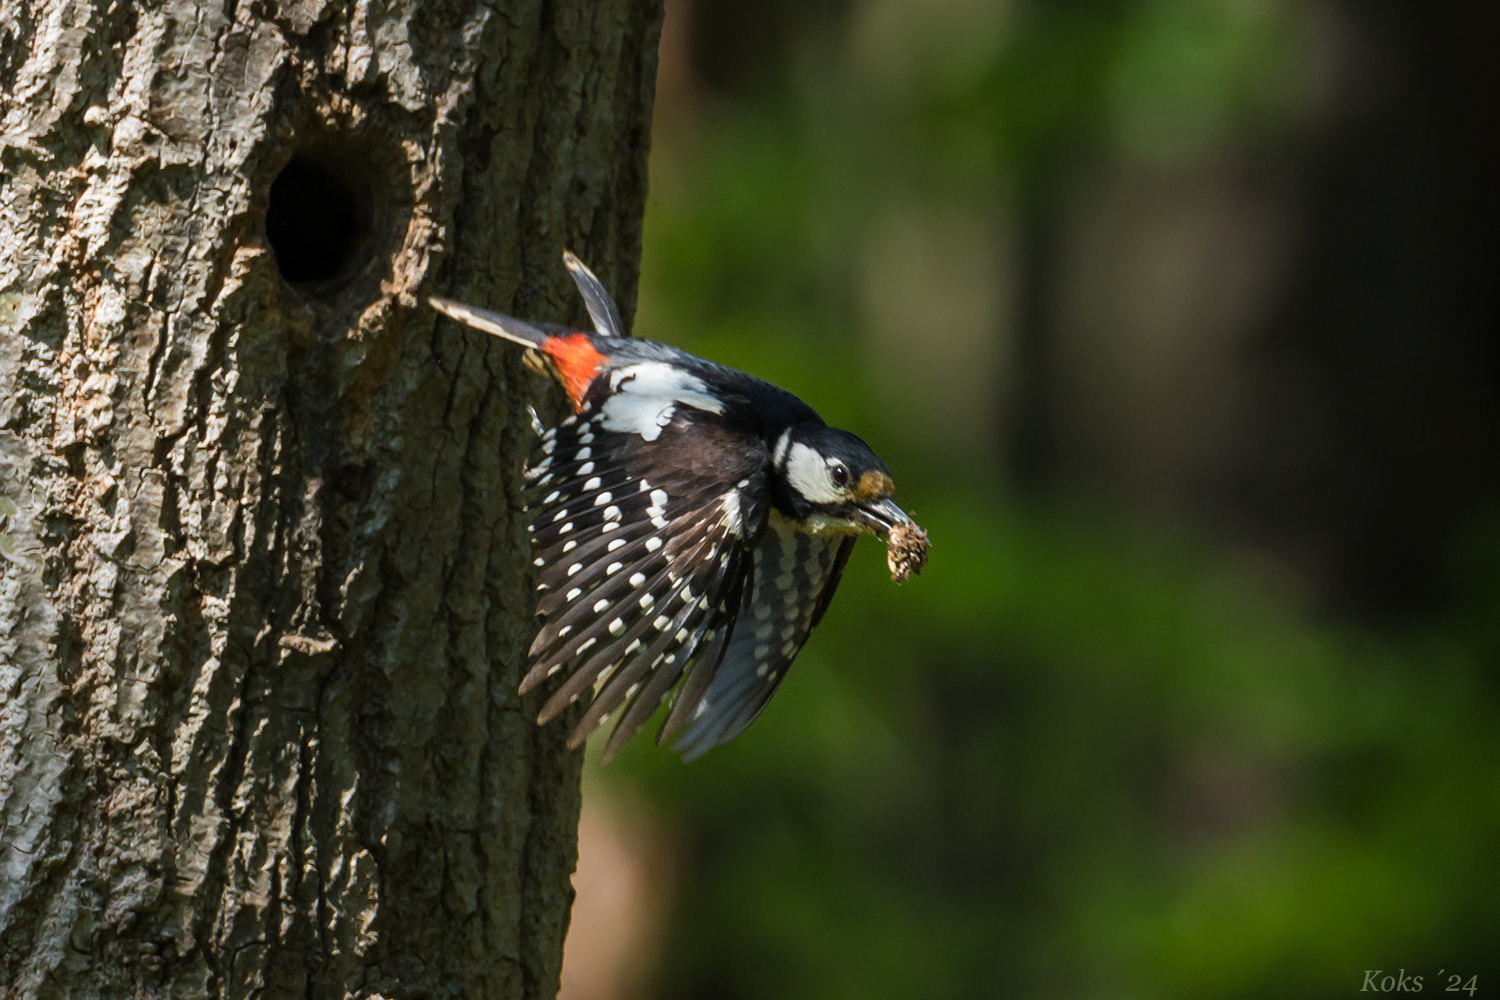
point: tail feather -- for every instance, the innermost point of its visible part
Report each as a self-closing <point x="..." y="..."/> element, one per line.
<point x="602" y="308"/>
<point x="507" y="327"/>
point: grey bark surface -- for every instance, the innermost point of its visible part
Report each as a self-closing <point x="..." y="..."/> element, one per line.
<point x="264" y="576"/>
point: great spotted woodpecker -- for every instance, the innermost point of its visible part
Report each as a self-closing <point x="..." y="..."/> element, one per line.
<point x="686" y="517"/>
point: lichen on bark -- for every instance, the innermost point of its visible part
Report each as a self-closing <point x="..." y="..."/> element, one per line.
<point x="264" y="575"/>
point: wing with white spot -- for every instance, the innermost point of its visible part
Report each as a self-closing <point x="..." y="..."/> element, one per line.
<point x="642" y="553"/>
<point x="793" y="578"/>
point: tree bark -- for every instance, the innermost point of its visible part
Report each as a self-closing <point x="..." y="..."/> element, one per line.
<point x="266" y="578"/>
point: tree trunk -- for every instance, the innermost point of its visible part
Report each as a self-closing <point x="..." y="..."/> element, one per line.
<point x="266" y="578"/>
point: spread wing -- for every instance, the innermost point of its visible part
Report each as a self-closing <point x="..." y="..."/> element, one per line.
<point x="642" y="553"/>
<point x="794" y="575"/>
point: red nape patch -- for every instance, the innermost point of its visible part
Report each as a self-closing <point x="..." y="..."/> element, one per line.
<point x="576" y="361"/>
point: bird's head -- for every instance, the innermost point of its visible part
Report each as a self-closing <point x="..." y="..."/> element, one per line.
<point x="835" y="481"/>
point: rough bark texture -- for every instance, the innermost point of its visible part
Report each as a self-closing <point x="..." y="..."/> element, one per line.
<point x="265" y="578"/>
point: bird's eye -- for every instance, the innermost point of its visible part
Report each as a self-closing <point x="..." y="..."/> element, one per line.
<point x="840" y="476"/>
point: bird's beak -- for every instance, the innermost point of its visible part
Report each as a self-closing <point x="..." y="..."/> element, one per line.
<point x="881" y="515"/>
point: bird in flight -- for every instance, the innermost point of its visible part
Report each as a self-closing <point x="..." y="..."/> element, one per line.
<point x="686" y="519"/>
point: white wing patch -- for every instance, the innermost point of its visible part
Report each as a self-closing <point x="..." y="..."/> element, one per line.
<point x="731" y="504"/>
<point x="644" y="396"/>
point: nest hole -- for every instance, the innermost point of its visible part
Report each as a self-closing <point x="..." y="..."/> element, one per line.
<point x="318" y="220"/>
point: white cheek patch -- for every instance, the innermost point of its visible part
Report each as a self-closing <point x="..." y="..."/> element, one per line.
<point x="808" y="474"/>
<point x="778" y="456"/>
<point x="644" y="397"/>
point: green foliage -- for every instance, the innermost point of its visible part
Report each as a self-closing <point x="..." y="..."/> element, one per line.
<point x="1067" y="762"/>
<point x="1069" y="759"/>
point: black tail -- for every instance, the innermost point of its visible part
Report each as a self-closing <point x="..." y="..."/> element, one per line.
<point x="602" y="309"/>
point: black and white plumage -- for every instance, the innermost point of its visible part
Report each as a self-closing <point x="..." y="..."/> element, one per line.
<point x="687" y="519"/>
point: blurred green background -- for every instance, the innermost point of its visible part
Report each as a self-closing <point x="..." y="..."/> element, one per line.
<point x="1176" y="322"/>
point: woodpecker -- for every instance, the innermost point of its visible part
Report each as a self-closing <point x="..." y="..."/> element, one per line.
<point x="686" y="518"/>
